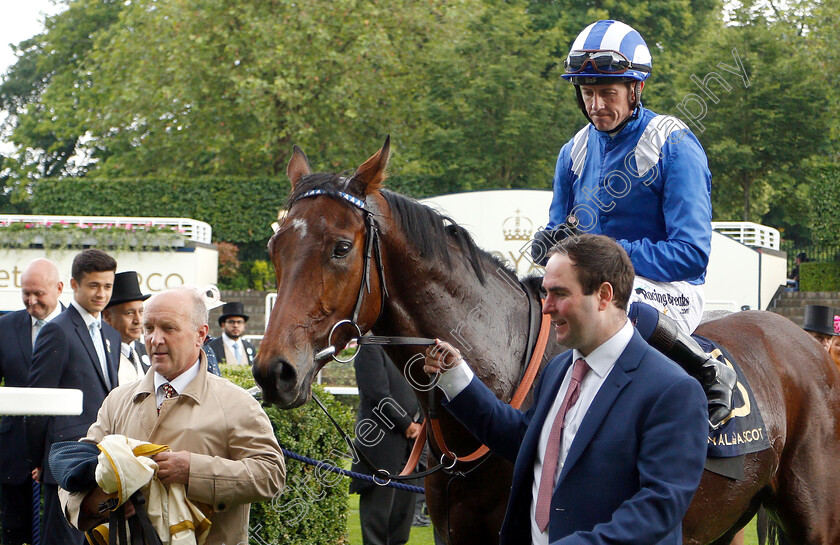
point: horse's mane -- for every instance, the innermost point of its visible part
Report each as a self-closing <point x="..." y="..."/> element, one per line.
<point x="427" y="230"/>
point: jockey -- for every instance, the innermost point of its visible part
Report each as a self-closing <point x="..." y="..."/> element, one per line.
<point x="642" y="179"/>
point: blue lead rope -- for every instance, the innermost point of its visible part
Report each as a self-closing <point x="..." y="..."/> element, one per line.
<point x="36" y="513"/>
<point x="353" y="474"/>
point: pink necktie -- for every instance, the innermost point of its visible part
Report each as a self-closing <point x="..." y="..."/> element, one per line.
<point x="552" y="449"/>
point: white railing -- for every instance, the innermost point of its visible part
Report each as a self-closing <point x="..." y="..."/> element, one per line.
<point x="198" y="231"/>
<point x="749" y="233"/>
<point x="270" y="299"/>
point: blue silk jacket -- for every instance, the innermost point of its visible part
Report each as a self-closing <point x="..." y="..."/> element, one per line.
<point x="648" y="187"/>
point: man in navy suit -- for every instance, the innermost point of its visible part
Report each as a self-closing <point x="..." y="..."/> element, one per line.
<point x="76" y="350"/>
<point x="40" y="286"/>
<point x="624" y="463"/>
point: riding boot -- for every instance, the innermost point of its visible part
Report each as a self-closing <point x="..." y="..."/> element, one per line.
<point x="718" y="379"/>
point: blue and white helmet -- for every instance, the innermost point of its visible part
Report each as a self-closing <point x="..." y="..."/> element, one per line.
<point x="608" y="51"/>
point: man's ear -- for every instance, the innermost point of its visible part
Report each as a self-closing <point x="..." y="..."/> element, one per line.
<point x="202" y="332"/>
<point x="605" y="295"/>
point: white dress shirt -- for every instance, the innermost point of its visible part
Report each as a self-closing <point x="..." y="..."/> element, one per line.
<point x="601" y="361"/>
<point x="179" y="383"/>
<point x="129" y="369"/>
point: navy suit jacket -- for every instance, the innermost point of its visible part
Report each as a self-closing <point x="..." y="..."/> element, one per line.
<point x="635" y="461"/>
<point x="65" y="357"/>
<point x="15" y="361"/>
<point x="218" y="346"/>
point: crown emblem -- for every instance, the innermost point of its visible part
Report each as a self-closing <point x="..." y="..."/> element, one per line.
<point x="517" y="227"/>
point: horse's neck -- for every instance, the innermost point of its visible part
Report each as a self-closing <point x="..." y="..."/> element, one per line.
<point x="487" y="322"/>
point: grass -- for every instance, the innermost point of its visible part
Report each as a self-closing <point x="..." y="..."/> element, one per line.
<point x="425" y="536"/>
<point x="419" y="536"/>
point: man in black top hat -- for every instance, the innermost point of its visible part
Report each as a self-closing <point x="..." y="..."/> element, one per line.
<point x="230" y="347"/>
<point x="819" y="322"/>
<point x="124" y="313"/>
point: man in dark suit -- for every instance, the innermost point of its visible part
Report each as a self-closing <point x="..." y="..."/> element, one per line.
<point x="230" y="348"/>
<point x="385" y="428"/>
<point x="613" y="447"/>
<point x="124" y="313"/>
<point x="40" y="286"/>
<point x="76" y="350"/>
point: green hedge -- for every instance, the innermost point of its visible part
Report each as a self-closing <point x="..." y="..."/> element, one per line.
<point x="313" y="507"/>
<point x="819" y="277"/>
<point x="825" y="200"/>
<point x="239" y="211"/>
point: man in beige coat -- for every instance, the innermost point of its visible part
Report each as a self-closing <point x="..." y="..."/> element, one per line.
<point x="222" y="445"/>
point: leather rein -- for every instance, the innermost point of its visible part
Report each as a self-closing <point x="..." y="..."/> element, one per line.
<point x="372" y="254"/>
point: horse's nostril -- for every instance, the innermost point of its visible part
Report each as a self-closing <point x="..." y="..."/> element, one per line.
<point x="286" y="373"/>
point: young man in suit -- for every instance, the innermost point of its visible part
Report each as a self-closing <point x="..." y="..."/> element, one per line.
<point x="613" y="447"/>
<point x="41" y="287"/>
<point x="76" y="350"/>
<point x="124" y="312"/>
<point x="230" y="348"/>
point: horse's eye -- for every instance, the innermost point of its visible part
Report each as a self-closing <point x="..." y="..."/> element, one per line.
<point x="342" y="248"/>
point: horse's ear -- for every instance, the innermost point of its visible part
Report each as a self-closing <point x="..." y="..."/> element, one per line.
<point x="371" y="174"/>
<point x="298" y="166"/>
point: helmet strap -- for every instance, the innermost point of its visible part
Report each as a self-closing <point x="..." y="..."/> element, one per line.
<point x="581" y="104"/>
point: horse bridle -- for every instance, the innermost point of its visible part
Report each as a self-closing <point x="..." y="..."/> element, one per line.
<point x="372" y="252"/>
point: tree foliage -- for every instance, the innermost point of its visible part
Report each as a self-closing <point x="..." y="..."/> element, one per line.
<point x="170" y="90"/>
<point x="760" y="111"/>
<point x="42" y="90"/>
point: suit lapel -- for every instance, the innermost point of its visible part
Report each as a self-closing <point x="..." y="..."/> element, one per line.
<point x="604" y="400"/>
<point x="111" y="341"/>
<point x="23" y="336"/>
<point x="84" y="336"/>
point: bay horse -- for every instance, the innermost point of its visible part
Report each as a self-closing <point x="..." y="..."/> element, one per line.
<point x="350" y="249"/>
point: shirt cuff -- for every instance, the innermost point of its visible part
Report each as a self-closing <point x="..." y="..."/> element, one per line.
<point x="455" y="380"/>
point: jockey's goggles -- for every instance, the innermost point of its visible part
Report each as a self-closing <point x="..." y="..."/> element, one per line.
<point x="602" y="61"/>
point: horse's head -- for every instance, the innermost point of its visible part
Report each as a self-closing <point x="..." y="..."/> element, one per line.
<point x="319" y="261"/>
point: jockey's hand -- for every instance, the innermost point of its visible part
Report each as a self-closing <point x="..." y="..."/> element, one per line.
<point x="441" y="357"/>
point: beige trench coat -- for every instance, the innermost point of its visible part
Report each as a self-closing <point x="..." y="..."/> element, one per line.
<point x="235" y="457"/>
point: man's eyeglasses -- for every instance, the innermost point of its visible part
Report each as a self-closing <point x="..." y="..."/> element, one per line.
<point x="604" y="62"/>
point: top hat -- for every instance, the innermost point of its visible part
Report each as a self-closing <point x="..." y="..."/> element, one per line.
<point x="235" y="308"/>
<point x="127" y="289"/>
<point x="819" y="319"/>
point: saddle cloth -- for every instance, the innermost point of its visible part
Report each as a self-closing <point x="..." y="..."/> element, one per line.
<point x="743" y="432"/>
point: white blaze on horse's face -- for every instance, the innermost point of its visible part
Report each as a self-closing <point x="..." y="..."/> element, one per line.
<point x="299" y="225"/>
